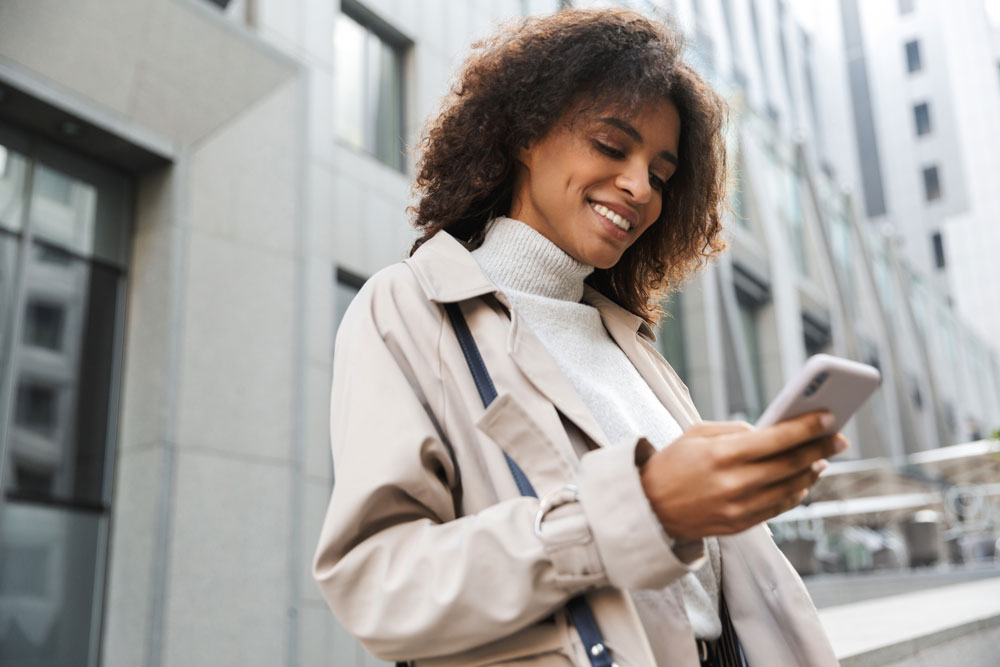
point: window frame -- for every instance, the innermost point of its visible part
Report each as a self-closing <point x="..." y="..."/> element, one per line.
<point x="378" y="28"/>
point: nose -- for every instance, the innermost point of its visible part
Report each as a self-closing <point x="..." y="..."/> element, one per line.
<point x="634" y="179"/>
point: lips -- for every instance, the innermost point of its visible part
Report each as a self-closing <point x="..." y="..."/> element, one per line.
<point x="615" y="219"/>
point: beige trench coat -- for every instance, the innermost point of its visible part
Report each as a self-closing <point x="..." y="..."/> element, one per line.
<point x="429" y="553"/>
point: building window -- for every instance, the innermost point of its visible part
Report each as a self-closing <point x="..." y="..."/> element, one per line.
<point x="44" y="325"/>
<point x="743" y="324"/>
<point x="346" y="288"/>
<point x="922" y="118"/>
<point x="913" y="63"/>
<point x="368" y="84"/>
<point x="815" y="333"/>
<point x="938" y="244"/>
<point x="906" y="6"/>
<point x="750" y="327"/>
<point x="932" y="184"/>
<point x="672" y="341"/>
<point x="65" y="302"/>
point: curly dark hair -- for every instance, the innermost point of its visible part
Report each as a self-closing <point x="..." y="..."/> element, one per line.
<point x="516" y="85"/>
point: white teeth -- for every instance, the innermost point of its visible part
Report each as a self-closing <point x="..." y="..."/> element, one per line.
<point x="616" y="220"/>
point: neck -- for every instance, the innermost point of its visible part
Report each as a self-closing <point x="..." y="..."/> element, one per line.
<point x="516" y="257"/>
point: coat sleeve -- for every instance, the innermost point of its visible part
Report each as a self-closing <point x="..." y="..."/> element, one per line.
<point x="399" y="569"/>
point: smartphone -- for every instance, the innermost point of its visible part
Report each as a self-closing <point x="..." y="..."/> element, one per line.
<point x="829" y="383"/>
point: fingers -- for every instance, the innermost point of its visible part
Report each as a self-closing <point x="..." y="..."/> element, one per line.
<point x="766" y="442"/>
<point x="778" y="509"/>
<point x="739" y="518"/>
<point x="795" y="460"/>
<point x="790" y="490"/>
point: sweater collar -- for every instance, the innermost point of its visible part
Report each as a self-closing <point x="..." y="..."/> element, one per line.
<point x="448" y="273"/>
<point x="518" y="258"/>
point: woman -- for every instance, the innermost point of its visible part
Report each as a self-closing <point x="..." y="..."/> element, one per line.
<point x="574" y="176"/>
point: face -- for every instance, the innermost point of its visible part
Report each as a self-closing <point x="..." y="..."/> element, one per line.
<point x="595" y="185"/>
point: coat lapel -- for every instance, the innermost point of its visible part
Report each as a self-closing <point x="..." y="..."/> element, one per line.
<point x="540" y="368"/>
<point x="628" y="331"/>
<point x="449" y="273"/>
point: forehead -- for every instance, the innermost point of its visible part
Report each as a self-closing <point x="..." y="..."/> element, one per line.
<point x="660" y="111"/>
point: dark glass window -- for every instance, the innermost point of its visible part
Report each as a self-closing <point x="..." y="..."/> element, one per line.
<point x="36" y="408"/>
<point x="673" y="344"/>
<point x="815" y="333"/>
<point x="937" y="242"/>
<point x="922" y="118"/>
<point x="750" y="328"/>
<point x="347" y="285"/>
<point x="60" y="350"/>
<point x="913" y="63"/>
<point x="932" y="184"/>
<point x="44" y="325"/>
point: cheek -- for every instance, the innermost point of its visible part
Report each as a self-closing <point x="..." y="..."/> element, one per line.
<point x="654" y="211"/>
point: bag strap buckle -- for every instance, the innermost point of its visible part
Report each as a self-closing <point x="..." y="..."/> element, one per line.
<point x="557" y="497"/>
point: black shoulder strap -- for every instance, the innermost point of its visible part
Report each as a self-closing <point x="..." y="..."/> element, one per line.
<point x="484" y="383"/>
<point x="579" y="610"/>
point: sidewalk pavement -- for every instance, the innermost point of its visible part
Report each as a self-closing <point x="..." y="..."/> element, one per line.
<point x="951" y="625"/>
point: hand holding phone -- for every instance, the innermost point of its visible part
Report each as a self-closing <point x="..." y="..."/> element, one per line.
<point x="721" y="478"/>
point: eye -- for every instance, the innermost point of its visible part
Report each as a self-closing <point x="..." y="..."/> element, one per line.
<point x="657" y="182"/>
<point x="609" y="150"/>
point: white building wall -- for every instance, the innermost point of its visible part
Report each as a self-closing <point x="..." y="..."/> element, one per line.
<point x="959" y="80"/>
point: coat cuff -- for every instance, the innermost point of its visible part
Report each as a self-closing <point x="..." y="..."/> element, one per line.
<point x="635" y="550"/>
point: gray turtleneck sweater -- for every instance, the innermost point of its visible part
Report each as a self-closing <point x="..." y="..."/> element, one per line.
<point x="545" y="285"/>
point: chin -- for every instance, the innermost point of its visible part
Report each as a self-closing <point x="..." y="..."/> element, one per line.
<point x="606" y="264"/>
<point x="603" y="261"/>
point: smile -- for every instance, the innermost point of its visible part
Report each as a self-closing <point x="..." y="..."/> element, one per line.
<point x="615" y="219"/>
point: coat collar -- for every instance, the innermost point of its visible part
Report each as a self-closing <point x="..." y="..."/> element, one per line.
<point x="448" y="273"/>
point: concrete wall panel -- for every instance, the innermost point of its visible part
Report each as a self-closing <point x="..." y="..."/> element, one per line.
<point x="228" y="599"/>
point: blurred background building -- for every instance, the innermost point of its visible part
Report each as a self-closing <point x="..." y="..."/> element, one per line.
<point x="192" y="191"/>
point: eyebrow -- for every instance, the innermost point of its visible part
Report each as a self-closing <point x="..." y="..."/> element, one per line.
<point x="636" y="137"/>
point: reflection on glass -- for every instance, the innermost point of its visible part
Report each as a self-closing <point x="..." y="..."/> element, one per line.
<point x="12" y="170"/>
<point x="63" y="210"/>
<point x="35" y="409"/>
<point x="58" y="350"/>
<point x="368" y="91"/>
<point x="751" y="336"/>
<point x="671" y="337"/>
<point x="43" y="325"/>
<point x="48" y="561"/>
<point x="62" y="376"/>
<point x="387" y="102"/>
<point x="349" y="84"/>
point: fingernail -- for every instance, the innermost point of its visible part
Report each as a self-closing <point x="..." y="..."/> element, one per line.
<point x="820" y="465"/>
<point x="840" y="445"/>
<point x="826" y="421"/>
